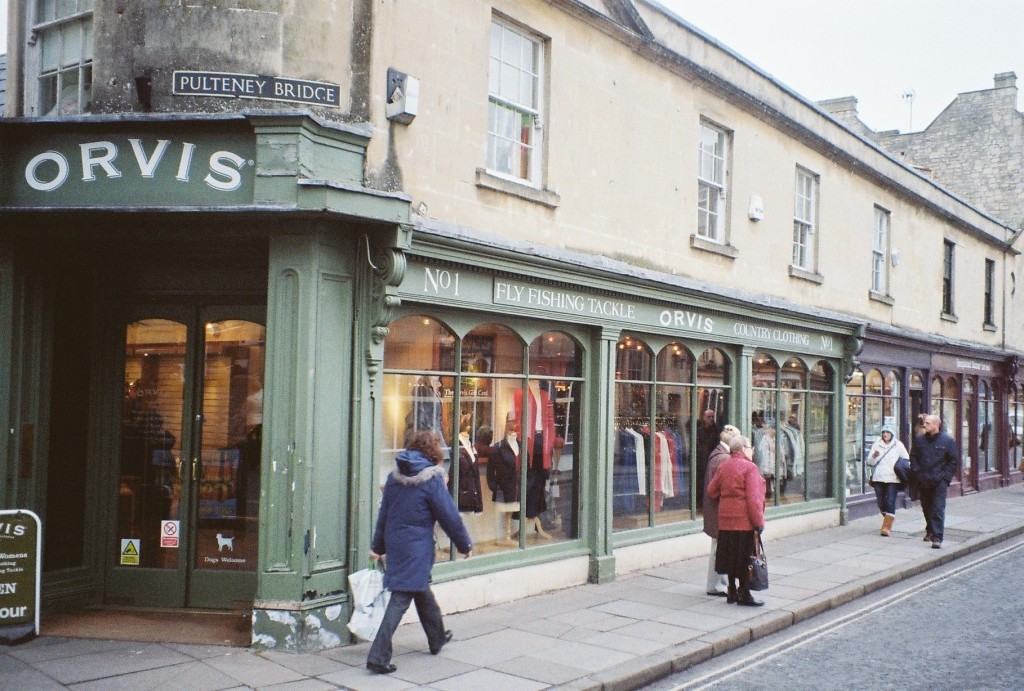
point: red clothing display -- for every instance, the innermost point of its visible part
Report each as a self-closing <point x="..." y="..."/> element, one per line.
<point x="528" y="425"/>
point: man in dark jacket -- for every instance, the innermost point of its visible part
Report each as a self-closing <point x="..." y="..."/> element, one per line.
<point x="934" y="459"/>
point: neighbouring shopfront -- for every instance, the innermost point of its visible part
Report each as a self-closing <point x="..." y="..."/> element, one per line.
<point x="899" y="379"/>
<point x="577" y="413"/>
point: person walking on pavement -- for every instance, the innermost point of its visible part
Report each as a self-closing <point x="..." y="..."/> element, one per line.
<point x="882" y="458"/>
<point x="415" y="497"/>
<point x="739" y="489"/>
<point x="717" y="582"/>
<point x="933" y="462"/>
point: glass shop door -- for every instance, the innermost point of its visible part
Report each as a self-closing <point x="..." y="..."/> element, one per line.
<point x="188" y="475"/>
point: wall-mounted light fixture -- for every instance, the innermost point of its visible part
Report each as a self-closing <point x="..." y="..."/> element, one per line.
<point x="895" y="257"/>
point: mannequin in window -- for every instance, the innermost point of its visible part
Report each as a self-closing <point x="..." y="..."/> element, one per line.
<point x="468" y="495"/>
<point x="503" y="478"/>
<point x="538" y="424"/>
<point x="427" y="410"/>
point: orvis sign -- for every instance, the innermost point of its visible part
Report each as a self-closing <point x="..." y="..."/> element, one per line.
<point x="425" y="281"/>
<point x="174" y="167"/>
<point x="20" y="542"/>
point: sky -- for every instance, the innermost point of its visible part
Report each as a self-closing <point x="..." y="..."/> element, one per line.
<point x="875" y="50"/>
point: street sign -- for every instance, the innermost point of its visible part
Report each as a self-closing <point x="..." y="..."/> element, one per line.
<point x="21" y="539"/>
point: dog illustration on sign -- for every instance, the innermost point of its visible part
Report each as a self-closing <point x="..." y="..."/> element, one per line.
<point x="223" y="542"/>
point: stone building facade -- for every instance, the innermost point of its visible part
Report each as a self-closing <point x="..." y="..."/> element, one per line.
<point x="249" y="246"/>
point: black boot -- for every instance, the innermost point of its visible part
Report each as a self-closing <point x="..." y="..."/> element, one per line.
<point x="746" y="599"/>
<point x="730" y="597"/>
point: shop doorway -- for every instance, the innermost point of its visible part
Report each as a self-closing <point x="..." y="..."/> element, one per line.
<point x="187" y="476"/>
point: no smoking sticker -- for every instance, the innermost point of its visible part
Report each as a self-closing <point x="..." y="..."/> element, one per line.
<point x="169" y="534"/>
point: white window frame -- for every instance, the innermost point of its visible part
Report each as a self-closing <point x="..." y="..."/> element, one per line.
<point x="880" y="252"/>
<point x="805" y="213"/>
<point x="70" y="36"/>
<point x="712" y="181"/>
<point x="516" y="91"/>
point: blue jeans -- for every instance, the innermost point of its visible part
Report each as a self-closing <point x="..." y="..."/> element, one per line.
<point x="885" y="494"/>
<point x="430" y="619"/>
<point x="933" y="506"/>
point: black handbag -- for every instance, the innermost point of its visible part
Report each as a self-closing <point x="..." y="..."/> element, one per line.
<point x="757" y="571"/>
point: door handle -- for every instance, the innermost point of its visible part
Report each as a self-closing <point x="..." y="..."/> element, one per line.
<point x="195" y="466"/>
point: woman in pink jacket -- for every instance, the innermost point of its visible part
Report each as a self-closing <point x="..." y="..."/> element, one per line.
<point x="739" y="489"/>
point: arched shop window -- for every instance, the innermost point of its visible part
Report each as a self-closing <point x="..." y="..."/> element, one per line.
<point x="790" y="427"/>
<point x="1015" y="425"/>
<point x="818" y="426"/>
<point x="655" y="470"/>
<point x="967" y="450"/>
<point x="764" y="416"/>
<point x="853" y="437"/>
<point x="872" y="400"/>
<point x="917" y="405"/>
<point x="507" y="415"/>
<point x="713" y="388"/>
<point x="987" y="458"/>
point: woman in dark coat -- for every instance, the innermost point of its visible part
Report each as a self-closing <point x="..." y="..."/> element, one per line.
<point x="415" y="497"/>
<point x="739" y="489"/>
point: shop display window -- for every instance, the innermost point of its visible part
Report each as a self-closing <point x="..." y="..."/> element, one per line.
<point x="987" y="458"/>
<point x="1015" y="426"/>
<point x="872" y="400"/>
<point x="818" y="424"/>
<point x="660" y="447"/>
<point x="791" y="427"/>
<point x="507" y="414"/>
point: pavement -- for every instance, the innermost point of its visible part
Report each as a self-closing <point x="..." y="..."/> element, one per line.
<point x="620" y="635"/>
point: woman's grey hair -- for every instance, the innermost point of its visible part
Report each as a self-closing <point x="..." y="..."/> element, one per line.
<point x="737" y="443"/>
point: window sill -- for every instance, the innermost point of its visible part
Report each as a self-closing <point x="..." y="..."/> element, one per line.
<point x="989" y="326"/>
<point x="946" y="316"/>
<point x="881" y="297"/>
<point x="517" y="189"/>
<point x="699" y="243"/>
<point x="805" y="275"/>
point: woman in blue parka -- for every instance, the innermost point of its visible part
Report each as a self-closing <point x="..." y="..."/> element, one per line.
<point x="415" y="497"/>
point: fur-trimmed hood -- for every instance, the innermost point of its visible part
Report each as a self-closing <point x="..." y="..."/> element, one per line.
<point x="413" y="468"/>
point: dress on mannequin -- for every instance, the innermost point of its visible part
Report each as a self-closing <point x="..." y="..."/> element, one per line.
<point x="503" y="480"/>
<point x="539" y="438"/>
<point x="468" y="495"/>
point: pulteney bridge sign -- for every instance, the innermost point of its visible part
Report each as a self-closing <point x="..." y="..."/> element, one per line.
<point x="233" y="85"/>
<point x="21" y="538"/>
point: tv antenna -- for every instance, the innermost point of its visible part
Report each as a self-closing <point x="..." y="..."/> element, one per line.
<point x="908" y="96"/>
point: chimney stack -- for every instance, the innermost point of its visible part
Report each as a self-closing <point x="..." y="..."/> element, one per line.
<point x="1005" y="80"/>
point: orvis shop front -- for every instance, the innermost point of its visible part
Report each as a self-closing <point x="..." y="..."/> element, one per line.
<point x="578" y="406"/>
<point x="167" y="285"/>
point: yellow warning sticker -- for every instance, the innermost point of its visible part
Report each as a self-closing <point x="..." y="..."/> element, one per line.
<point x="130" y="552"/>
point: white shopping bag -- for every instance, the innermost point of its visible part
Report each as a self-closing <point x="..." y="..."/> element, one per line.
<point x="369" y="600"/>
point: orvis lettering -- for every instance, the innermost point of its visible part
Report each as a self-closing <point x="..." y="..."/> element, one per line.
<point x="102" y="160"/>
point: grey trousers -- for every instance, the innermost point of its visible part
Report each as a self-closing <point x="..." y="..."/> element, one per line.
<point x="430" y="618"/>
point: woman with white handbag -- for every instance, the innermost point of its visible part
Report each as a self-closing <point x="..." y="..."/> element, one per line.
<point x="415" y="497"/>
